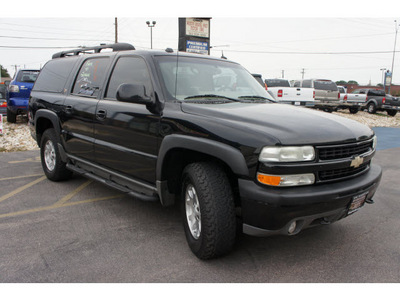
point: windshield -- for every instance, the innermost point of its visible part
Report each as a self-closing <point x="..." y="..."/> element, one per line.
<point x="192" y="77"/>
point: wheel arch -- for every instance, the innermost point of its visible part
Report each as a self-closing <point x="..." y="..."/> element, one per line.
<point x="177" y="151"/>
<point x="45" y="119"/>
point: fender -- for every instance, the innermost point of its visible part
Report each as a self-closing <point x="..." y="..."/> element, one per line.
<point x="374" y="101"/>
<point x="228" y="154"/>
<point x="50" y="115"/>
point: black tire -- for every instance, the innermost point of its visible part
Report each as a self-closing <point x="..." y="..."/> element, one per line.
<point x="392" y="112"/>
<point x="371" y="108"/>
<point x="11" y="117"/>
<point x="209" y="184"/>
<point x="53" y="167"/>
<point x="353" y="110"/>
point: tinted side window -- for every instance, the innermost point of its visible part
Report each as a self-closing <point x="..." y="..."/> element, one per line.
<point x="91" y="76"/>
<point x="306" y="83"/>
<point x="129" y="70"/>
<point x="54" y="75"/>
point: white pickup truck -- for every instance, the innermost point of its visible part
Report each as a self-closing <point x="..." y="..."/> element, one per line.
<point x="353" y="101"/>
<point x="281" y="90"/>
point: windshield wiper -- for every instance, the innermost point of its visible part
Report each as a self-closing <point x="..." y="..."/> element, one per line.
<point x="255" y="97"/>
<point x="212" y="96"/>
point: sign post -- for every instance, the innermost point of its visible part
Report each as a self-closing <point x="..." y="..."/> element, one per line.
<point x="388" y="80"/>
<point x="194" y="35"/>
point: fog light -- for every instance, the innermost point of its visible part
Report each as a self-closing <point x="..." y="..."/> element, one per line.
<point x="292" y="227"/>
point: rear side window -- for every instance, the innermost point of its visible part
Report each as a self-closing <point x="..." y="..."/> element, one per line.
<point x="325" y="85"/>
<point x="54" y="75"/>
<point x="129" y="69"/>
<point x="91" y="76"/>
<point x="27" y="76"/>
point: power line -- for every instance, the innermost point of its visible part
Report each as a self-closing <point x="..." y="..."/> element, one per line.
<point x="296" y="52"/>
<point x="48" y="39"/>
<point x="26" y="47"/>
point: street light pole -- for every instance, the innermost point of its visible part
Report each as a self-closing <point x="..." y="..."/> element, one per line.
<point x="151" y="25"/>
<point x="394" y="51"/>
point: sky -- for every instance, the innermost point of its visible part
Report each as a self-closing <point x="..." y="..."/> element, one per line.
<point x="276" y="41"/>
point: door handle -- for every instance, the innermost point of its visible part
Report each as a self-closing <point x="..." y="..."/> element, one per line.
<point x="101" y="114"/>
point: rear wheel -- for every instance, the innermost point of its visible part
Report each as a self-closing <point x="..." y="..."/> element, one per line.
<point x="392" y="112"/>
<point x="11" y="117"/>
<point x="371" y="107"/>
<point x="208" y="210"/>
<point x="53" y="167"/>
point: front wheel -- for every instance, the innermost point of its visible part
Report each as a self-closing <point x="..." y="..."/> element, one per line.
<point x="208" y="210"/>
<point x="53" y="167"/>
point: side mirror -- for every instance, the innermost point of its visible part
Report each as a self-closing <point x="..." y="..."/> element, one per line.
<point x="134" y="93"/>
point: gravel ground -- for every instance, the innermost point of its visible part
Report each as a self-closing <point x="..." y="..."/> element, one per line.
<point x="17" y="137"/>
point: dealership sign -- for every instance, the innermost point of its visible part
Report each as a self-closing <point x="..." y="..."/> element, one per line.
<point x="197" y="47"/>
<point x="388" y="78"/>
<point x="194" y="35"/>
<point x="198" y="27"/>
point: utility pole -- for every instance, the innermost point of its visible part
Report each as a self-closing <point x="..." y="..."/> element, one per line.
<point x="116" y="30"/>
<point x="394" y="51"/>
<point x="283" y="73"/>
<point x="302" y="73"/>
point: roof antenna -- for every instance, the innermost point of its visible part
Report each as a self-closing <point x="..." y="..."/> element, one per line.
<point x="222" y="56"/>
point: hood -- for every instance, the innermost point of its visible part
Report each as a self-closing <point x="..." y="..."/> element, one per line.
<point x="284" y="124"/>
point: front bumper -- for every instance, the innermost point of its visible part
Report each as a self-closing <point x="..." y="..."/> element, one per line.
<point x="270" y="211"/>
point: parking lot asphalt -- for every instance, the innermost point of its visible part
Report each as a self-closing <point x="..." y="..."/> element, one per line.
<point x="82" y="231"/>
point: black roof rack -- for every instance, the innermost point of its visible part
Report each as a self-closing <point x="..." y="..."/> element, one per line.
<point x="96" y="49"/>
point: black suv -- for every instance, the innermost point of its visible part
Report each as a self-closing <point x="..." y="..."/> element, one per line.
<point x="175" y="127"/>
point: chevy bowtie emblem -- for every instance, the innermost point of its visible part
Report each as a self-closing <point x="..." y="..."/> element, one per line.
<point x="356" y="162"/>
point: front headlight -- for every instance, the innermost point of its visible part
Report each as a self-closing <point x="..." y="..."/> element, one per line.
<point x="287" y="154"/>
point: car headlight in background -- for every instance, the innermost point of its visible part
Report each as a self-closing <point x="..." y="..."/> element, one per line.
<point x="287" y="154"/>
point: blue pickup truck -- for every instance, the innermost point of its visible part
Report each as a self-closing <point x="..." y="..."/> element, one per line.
<point x="19" y="92"/>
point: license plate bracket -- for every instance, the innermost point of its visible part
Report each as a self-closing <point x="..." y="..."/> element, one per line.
<point x="357" y="202"/>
